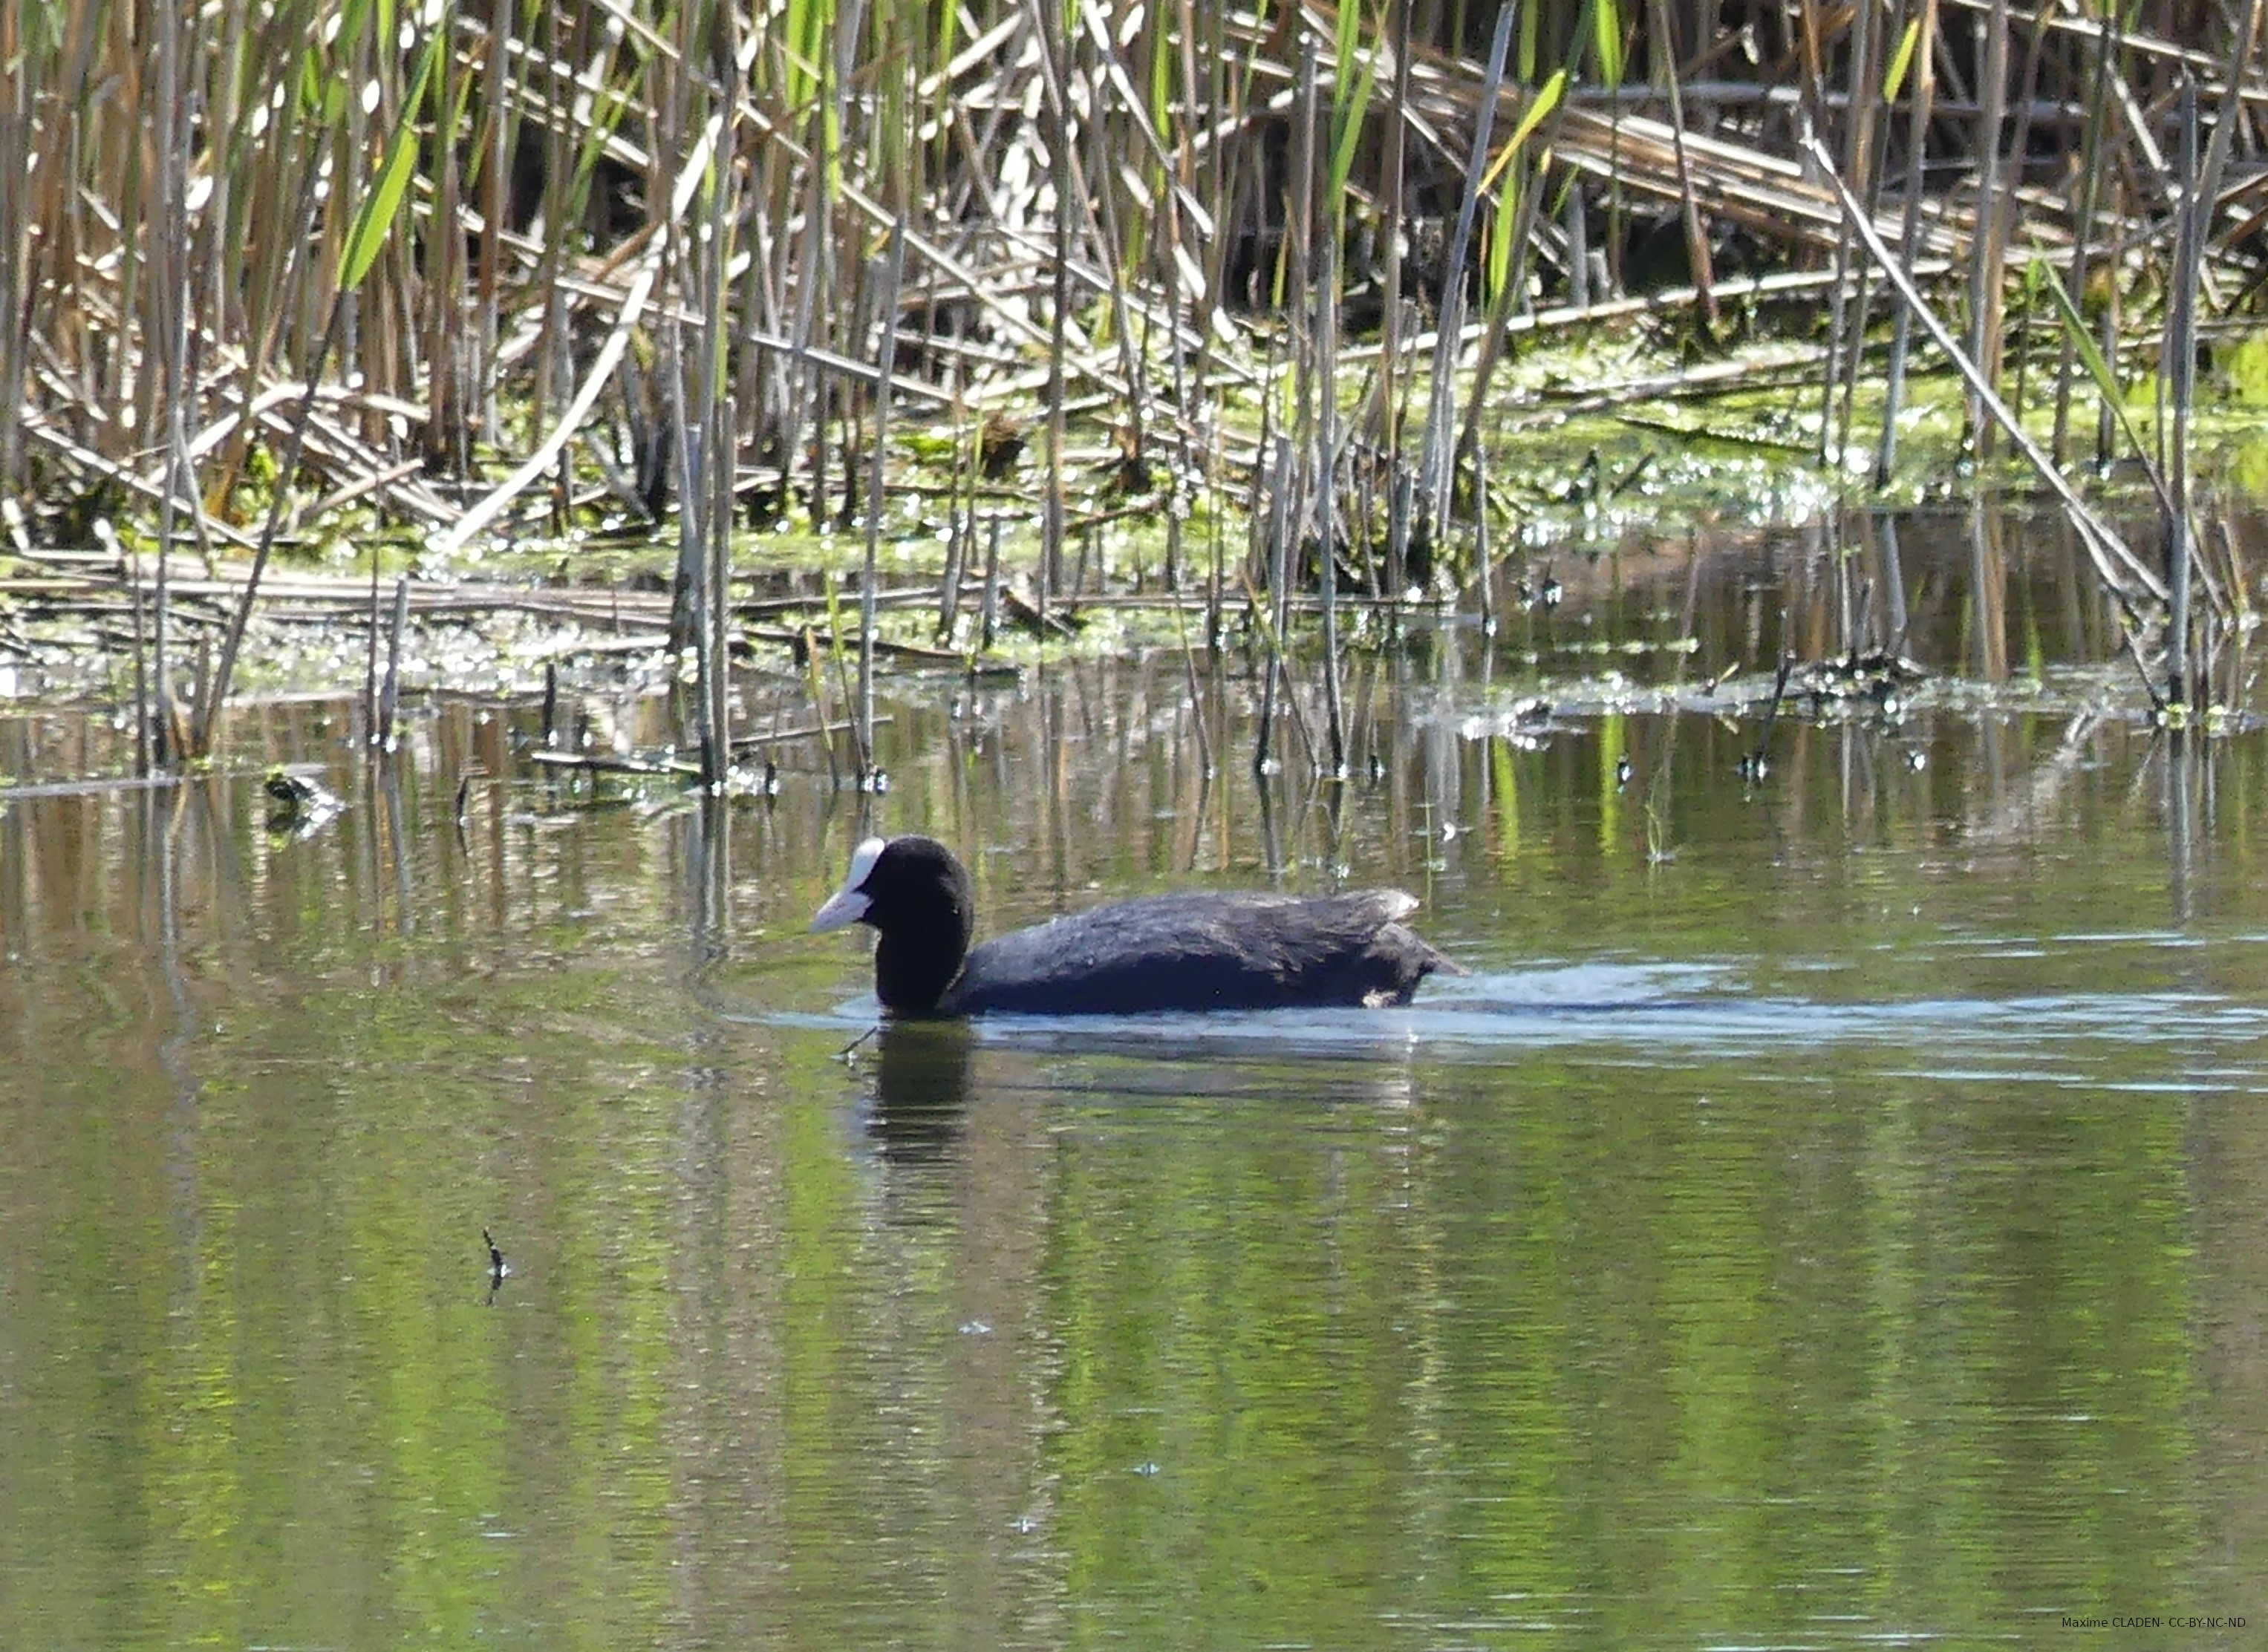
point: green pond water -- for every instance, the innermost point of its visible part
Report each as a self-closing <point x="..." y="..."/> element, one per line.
<point x="1832" y="1211"/>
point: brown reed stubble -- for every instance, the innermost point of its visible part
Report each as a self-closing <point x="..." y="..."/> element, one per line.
<point x="166" y="284"/>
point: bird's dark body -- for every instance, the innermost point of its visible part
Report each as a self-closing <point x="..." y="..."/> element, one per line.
<point x="1201" y="951"/>
<point x="1195" y="950"/>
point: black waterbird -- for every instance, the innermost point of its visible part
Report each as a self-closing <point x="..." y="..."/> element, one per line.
<point x="1195" y="950"/>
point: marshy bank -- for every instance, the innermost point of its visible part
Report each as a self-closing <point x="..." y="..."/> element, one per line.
<point x="1260" y="324"/>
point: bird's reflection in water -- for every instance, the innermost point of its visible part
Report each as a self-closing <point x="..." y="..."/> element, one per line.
<point x="921" y="1088"/>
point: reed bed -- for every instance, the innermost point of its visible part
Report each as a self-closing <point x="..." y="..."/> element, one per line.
<point x="470" y="270"/>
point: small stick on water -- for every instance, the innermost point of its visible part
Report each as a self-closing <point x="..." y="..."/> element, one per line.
<point x="499" y="1272"/>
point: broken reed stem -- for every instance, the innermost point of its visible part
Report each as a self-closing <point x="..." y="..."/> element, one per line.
<point x="600" y="372"/>
<point x="2186" y="677"/>
<point x="1190" y="680"/>
<point x="876" y="474"/>
<point x="1984" y="274"/>
<point x="1327" y="437"/>
<point x="685" y="630"/>
<point x="1438" y="479"/>
<point x="1053" y="60"/>
<point x="1697" y="233"/>
<point x="1388" y="425"/>
<point x="961" y="525"/>
<point x="1482" y="551"/>
<point x="2180" y="382"/>
<point x="216" y="688"/>
<point x="989" y="599"/>
<point x="1327" y="496"/>
<point x="1390" y="382"/>
<point x="708" y="501"/>
<point x="1300" y="192"/>
<point x="2082" y="248"/>
<point x="143" y="729"/>
<point x="1925" y="93"/>
<point x="2114" y="309"/>
<point x="717" y="589"/>
<point x="1279" y="537"/>
<point x="2122" y="572"/>
<point x="1847" y="332"/>
<point x="389" y="694"/>
<point x="370" y="663"/>
<point x="816" y="675"/>
<point x="170" y="304"/>
<point x="17" y="85"/>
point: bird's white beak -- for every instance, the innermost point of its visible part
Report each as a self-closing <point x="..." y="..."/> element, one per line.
<point x="849" y="903"/>
<point x="844" y="908"/>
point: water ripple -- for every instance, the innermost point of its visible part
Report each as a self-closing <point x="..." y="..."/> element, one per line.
<point x="1658" y="1014"/>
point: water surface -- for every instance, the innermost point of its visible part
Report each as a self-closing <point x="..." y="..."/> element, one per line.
<point x="1832" y="1211"/>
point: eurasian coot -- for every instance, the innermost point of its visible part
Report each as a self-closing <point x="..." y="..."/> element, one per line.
<point x="1195" y="950"/>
